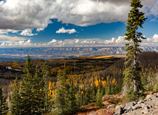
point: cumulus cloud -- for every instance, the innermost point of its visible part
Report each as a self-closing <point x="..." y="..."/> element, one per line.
<point x="3" y="31"/>
<point x="10" y="38"/>
<point x="27" y="32"/>
<point x="39" y="29"/>
<point x="16" y="43"/>
<point x="23" y="42"/>
<point x="20" y="15"/>
<point x="153" y="39"/>
<point x="63" y="30"/>
<point x="53" y="41"/>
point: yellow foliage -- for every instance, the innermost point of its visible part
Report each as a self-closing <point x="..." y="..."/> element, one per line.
<point x="16" y="65"/>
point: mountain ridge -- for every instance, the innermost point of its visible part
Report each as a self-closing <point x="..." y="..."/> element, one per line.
<point x="47" y="53"/>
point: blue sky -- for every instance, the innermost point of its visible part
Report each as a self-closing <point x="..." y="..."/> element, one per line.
<point x="62" y="23"/>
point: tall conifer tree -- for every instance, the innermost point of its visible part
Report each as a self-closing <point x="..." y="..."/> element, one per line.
<point x="3" y="104"/>
<point x="38" y="92"/>
<point x="71" y="102"/>
<point x="46" y="75"/>
<point x="27" y="88"/>
<point x="131" y="73"/>
<point x="15" y="99"/>
<point x="61" y="94"/>
<point x="79" y="98"/>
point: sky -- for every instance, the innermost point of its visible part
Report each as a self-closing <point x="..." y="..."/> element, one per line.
<point x="75" y="23"/>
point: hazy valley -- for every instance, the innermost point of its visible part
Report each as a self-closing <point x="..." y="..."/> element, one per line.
<point x="47" y="53"/>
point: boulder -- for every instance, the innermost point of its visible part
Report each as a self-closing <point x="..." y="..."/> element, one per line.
<point x="119" y="109"/>
<point x="148" y="96"/>
<point x="144" y="111"/>
<point x="137" y="106"/>
<point x="130" y="104"/>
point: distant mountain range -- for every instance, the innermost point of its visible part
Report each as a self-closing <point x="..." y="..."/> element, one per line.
<point x="46" y="53"/>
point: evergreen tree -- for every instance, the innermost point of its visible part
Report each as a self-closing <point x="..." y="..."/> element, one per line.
<point x="46" y="75"/>
<point x="71" y="99"/>
<point x="61" y="94"/>
<point x="151" y="79"/>
<point x="31" y="90"/>
<point x="15" y="99"/>
<point x="156" y="86"/>
<point x="93" y="94"/>
<point x="88" y="95"/>
<point x="144" y="81"/>
<point x="38" y="92"/>
<point x="107" y="88"/>
<point x="79" y="98"/>
<point x="3" y="104"/>
<point x="131" y="72"/>
<point x="99" y="98"/>
<point x="116" y="89"/>
<point x="27" y="89"/>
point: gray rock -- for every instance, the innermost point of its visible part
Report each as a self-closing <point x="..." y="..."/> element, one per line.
<point x="143" y="105"/>
<point x="149" y="99"/>
<point x="128" y="105"/>
<point x="137" y="106"/>
<point x="119" y="110"/>
<point x="130" y="109"/>
<point x="140" y="101"/>
<point x="154" y="113"/>
<point x="146" y="107"/>
<point x="154" y="98"/>
<point x="144" y="111"/>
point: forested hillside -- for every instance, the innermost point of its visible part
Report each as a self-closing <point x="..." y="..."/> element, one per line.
<point x="85" y="87"/>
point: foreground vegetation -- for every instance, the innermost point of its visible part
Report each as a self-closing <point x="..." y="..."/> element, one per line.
<point x="70" y="92"/>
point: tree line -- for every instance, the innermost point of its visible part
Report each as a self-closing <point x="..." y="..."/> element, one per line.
<point x="36" y="95"/>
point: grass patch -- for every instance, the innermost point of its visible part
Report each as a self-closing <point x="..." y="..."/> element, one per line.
<point x="114" y="100"/>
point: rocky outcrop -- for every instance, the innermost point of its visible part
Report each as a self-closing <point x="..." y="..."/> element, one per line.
<point x="147" y="106"/>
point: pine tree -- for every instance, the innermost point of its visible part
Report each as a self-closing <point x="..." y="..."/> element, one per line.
<point x="156" y="86"/>
<point x="38" y="92"/>
<point x="151" y="79"/>
<point x="144" y="81"/>
<point x="61" y="94"/>
<point x="3" y="104"/>
<point x="15" y="99"/>
<point x="88" y="95"/>
<point x="27" y="88"/>
<point x="30" y="90"/>
<point x="71" y="99"/>
<point x="99" y="98"/>
<point x="107" y="88"/>
<point x="46" y="75"/>
<point x="131" y="72"/>
<point x="79" y="98"/>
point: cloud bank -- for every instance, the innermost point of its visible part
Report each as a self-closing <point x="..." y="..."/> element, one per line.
<point x="6" y="41"/>
<point x="21" y="15"/>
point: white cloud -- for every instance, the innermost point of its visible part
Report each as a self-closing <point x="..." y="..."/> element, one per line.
<point x="53" y="41"/>
<point x="39" y="29"/>
<point x="27" y="32"/>
<point x="23" y="42"/>
<point x="10" y="38"/>
<point x="16" y="43"/>
<point x="3" y="31"/>
<point x="63" y="30"/>
<point x="153" y="39"/>
<point x="20" y="15"/>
